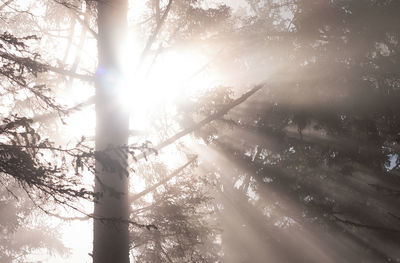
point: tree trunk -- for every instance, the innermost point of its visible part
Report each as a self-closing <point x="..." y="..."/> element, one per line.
<point x="111" y="236"/>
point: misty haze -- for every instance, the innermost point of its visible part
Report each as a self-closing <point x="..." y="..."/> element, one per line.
<point x="185" y="131"/>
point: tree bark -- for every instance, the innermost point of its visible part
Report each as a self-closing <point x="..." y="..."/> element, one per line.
<point x="111" y="236"/>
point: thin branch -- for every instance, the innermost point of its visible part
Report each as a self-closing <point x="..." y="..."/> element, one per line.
<point x="163" y="181"/>
<point x="84" y="22"/>
<point x="6" y="4"/>
<point x="80" y="43"/>
<point x="205" y="121"/>
<point x="378" y="228"/>
<point x="153" y="36"/>
<point x="393" y="215"/>
<point x="70" y="73"/>
<point x="77" y="107"/>
<point x="88" y="216"/>
<point x="62" y="71"/>
<point x="9" y="191"/>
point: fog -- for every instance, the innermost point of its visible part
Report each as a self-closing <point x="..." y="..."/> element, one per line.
<point x="199" y="131"/>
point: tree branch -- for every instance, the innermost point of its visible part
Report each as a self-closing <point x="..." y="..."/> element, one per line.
<point x="153" y="36"/>
<point x="77" y="107"/>
<point x="207" y="120"/>
<point x="163" y="181"/>
<point x="6" y="4"/>
<point x="378" y="228"/>
<point x="84" y="22"/>
<point x="69" y="73"/>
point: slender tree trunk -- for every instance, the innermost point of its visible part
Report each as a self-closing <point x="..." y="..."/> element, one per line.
<point x="111" y="237"/>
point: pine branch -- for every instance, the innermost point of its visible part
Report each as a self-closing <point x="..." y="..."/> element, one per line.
<point x="77" y="107"/>
<point x="207" y="120"/>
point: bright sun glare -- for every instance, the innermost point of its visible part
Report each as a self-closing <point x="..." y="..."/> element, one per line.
<point x="151" y="86"/>
<point x="155" y="85"/>
<point x="159" y="81"/>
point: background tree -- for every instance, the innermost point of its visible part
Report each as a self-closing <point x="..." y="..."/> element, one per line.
<point x="43" y="178"/>
<point x="316" y="153"/>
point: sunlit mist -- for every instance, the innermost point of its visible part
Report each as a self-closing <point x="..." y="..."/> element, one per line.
<point x="199" y="131"/>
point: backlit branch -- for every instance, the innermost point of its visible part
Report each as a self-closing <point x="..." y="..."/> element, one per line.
<point x="207" y="120"/>
<point x="77" y="107"/>
<point x="153" y="36"/>
<point x="6" y="4"/>
<point x="163" y="181"/>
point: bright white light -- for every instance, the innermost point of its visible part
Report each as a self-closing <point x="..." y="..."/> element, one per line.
<point x="161" y="81"/>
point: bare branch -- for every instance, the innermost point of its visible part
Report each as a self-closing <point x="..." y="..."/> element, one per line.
<point x="163" y="181"/>
<point x="84" y="22"/>
<point x="6" y="4"/>
<point x="153" y="36"/>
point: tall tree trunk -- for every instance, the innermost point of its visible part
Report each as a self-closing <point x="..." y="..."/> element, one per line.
<point x="111" y="237"/>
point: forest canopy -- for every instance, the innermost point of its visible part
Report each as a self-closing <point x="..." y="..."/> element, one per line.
<point x="199" y="131"/>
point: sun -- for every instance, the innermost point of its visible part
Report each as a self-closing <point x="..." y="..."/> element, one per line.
<point x="155" y="85"/>
<point x="160" y="80"/>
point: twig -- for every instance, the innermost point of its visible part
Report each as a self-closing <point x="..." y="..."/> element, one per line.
<point x="378" y="228"/>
